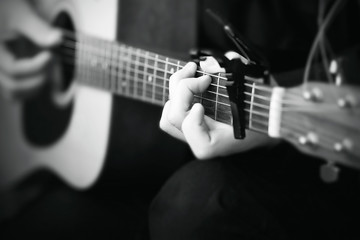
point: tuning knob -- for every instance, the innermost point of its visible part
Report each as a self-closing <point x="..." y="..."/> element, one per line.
<point x="329" y="173"/>
<point x="314" y="95"/>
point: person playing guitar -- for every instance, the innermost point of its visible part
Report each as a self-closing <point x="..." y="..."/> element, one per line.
<point x="256" y="188"/>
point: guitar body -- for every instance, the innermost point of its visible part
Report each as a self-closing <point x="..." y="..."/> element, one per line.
<point x="76" y="152"/>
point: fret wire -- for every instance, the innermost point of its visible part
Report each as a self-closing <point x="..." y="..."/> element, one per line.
<point x="164" y="88"/>
<point x="128" y="73"/>
<point x="251" y="105"/>
<point x="136" y="76"/>
<point x="128" y="66"/>
<point x="217" y="97"/>
<point x="145" y="74"/>
<point x="170" y="72"/>
<point x="219" y="111"/>
<point x="133" y="78"/>
<point x="211" y="92"/>
<point x="155" y="75"/>
<point x="122" y="83"/>
<point x="112" y="68"/>
<point x="108" y="66"/>
<point x="164" y="82"/>
<point x="183" y="64"/>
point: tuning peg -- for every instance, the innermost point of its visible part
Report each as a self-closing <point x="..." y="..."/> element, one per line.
<point x="310" y="138"/>
<point x="315" y="95"/>
<point x="345" y="145"/>
<point x="329" y="173"/>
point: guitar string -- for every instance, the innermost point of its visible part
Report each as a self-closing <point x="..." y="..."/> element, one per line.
<point x="209" y="100"/>
<point x="150" y="58"/>
<point x="318" y="37"/>
<point x="160" y="60"/>
<point x="218" y="77"/>
<point x="264" y="123"/>
<point x="299" y="123"/>
<point x="109" y="43"/>
<point x="212" y="84"/>
<point x="290" y="132"/>
<point x="306" y="106"/>
<point x="266" y="107"/>
<point x="203" y="73"/>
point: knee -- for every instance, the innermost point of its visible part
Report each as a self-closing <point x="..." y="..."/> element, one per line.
<point x="184" y="201"/>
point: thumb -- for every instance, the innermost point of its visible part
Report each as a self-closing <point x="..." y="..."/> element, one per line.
<point x="37" y="29"/>
<point x="197" y="133"/>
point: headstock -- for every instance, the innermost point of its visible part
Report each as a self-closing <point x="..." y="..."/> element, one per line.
<point x="324" y="120"/>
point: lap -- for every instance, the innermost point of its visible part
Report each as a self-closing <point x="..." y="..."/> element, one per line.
<point x="264" y="194"/>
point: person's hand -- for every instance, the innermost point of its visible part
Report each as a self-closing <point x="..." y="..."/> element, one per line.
<point x="17" y="18"/>
<point x="186" y="121"/>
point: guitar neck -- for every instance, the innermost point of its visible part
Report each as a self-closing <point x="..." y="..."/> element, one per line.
<point x="142" y="75"/>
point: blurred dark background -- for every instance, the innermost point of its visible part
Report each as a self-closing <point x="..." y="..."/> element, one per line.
<point x="140" y="157"/>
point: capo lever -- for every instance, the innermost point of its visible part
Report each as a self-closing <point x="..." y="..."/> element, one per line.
<point x="249" y="66"/>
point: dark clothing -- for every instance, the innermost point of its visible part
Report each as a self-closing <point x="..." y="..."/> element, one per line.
<point x="262" y="194"/>
<point x="266" y="193"/>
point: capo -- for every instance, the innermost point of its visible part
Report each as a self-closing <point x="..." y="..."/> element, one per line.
<point x="249" y="65"/>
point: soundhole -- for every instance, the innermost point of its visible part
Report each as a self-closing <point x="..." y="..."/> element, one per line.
<point x="46" y="120"/>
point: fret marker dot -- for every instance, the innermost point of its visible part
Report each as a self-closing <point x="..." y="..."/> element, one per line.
<point x="172" y="70"/>
<point x="150" y="78"/>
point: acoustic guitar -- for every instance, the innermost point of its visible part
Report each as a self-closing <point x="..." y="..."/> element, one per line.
<point x="319" y="119"/>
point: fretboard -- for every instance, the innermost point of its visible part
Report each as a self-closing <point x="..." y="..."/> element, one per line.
<point x="142" y="75"/>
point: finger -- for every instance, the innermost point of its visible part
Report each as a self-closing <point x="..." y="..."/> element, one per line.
<point x="28" y="66"/>
<point x="37" y="29"/>
<point x="16" y="87"/>
<point x="197" y="133"/>
<point x="167" y="127"/>
<point x="186" y="72"/>
<point x="184" y="96"/>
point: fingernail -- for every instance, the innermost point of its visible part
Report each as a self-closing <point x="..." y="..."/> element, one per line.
<point x="190" y="65"/>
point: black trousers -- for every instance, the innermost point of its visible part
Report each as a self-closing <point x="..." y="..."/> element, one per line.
<point x="264" y="194"/>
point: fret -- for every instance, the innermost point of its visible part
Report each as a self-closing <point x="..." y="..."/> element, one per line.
<point x="155" y="78"/>
<point x="132" y="79"/>
<point x="100" y="63"/>
<point x="202" y="97"/>
<point x="149" y="75"/>
<point x="136" y="71"/>
<point x="122" y="71"/>
<point x="94" y="63"/>
<point x="251" y="105"/>
<point x="113" y="66"/>
<point x="140" y="73"/>
<point x="89" y="70"/>
<point x="145" y="75"/>
<point x="80" y="60"/>
<point x="117" y="69"/>
<point x="127" y="70"/>
<point x="217" y="97"/>
<point x="164" y="98"/>
<point x="159" y="80"/>
<point x="107" y="68"/>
